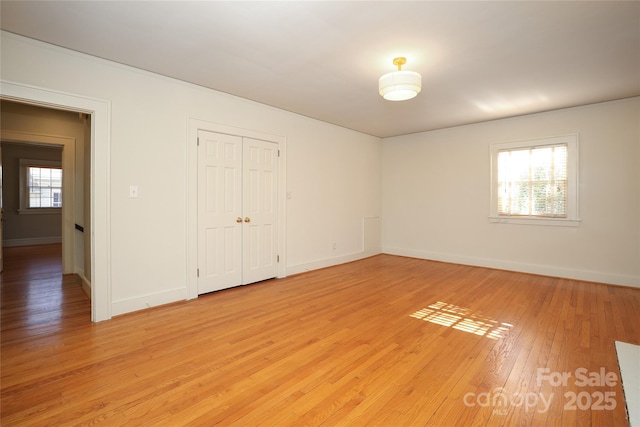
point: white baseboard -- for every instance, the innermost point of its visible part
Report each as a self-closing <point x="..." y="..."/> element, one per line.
<point x="544" y="270"/>
<point x="86" y="285"/>
<point x="179" y="294"/>
<point x="328" y="262"/>
<point x="146" y="301"/>
<point x="31" y="241"/>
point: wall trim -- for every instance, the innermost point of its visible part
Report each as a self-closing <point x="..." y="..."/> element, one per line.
<point x="141" y="302"/>
<point x="30" y="241"/>
<point x="86" y="284"/>
<point x="370" y="229"/>
<point x="330" y="262"/>
<point x="544" y="270"/>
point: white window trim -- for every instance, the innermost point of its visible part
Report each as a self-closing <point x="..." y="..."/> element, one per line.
<point x="572" y="219"/>
<point x="24" y="209"/>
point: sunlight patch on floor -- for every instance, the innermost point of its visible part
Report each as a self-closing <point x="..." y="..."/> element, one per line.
<point x="462" y="319"/>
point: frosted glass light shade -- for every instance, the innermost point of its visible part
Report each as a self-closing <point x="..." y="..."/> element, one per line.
<point x="400" y="85"/>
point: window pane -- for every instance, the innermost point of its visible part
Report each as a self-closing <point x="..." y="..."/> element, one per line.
<point x="560" y="163"/>
<point x="540" y="164"/>
<point x="57" y="199"/>
<point x="32" y="176"/>
<point x="56" y="177"/>
<point x="520" y="198"/>
<point x="34" y="200"/>
<point x="541" y="198"/>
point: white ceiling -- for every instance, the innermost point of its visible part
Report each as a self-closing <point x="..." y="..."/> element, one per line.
<point x="479" y="60"/>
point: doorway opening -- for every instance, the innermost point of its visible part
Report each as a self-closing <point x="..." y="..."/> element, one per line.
<point x="99" y="235"/>
<point x="52" y="207"/>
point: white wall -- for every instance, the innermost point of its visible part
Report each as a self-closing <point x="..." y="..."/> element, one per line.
<point x="435" y="196"/>
<point x="333" y="173"/>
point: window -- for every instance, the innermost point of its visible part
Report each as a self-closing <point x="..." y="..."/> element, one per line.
<point x="535" y="182"/>
<point x="44" y="185"/>
<point x="40" y="186"/>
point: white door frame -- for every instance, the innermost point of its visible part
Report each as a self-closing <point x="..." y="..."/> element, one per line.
<point x="192" y="194"/>
<point x="100" y="189"/>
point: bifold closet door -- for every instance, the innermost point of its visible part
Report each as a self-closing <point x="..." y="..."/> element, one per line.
<point x="237" y="211"/>
<point x="219" y="210"/>
<point x="259" y="204"/>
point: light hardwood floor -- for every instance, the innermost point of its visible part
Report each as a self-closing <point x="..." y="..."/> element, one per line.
<point x="386" y="341"/>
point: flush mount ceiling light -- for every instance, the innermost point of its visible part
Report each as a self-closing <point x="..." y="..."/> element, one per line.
<point x="400" y="85"/>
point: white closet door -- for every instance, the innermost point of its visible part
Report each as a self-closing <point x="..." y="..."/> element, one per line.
<point x="260" y="176"/>
<point x="219" y="211"/>
<point x="237" y="211"/>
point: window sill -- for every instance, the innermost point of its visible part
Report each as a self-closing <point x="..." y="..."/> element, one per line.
<point x="556" y="222"/>
<point x="40" y="211"/>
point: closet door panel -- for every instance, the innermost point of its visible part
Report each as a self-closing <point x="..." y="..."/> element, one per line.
<point x="260" y="163"/>
<point x="219" y="211"/>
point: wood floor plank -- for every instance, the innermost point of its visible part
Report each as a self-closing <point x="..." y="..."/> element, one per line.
<point x="383" y="341"/>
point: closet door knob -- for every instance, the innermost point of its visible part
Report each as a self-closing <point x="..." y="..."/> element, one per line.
<point x="247" y="219"/>
<point x="238" y="219"/>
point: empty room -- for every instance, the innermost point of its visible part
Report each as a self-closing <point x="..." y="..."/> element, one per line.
<point x="320" y="213"/>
